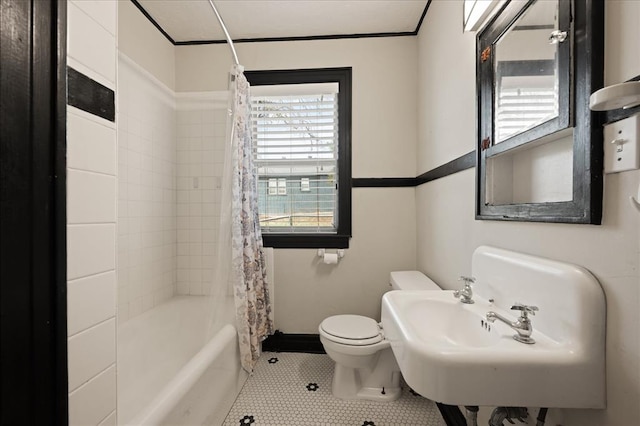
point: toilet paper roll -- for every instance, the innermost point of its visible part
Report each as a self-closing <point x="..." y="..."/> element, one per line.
<point x="330" y="258"/>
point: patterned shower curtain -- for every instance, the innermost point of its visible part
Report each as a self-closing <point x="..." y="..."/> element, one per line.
<point x="254" y="319"/>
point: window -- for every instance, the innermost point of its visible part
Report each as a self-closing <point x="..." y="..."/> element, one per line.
<point x="304" y="185"/>
<point x="282" y="186"/>
<point x="301" y="124"/>
<point x="276" y="186"/>
<point x="273" y="187"/>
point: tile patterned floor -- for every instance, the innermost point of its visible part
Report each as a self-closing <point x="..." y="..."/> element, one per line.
<point x="295" y="389"/>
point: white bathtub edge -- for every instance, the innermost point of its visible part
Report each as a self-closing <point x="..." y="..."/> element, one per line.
<point x="154" y="413"/>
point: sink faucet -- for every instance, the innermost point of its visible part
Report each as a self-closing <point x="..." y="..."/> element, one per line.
<point x="466" y="294"/>
<point x="522" y="325"/>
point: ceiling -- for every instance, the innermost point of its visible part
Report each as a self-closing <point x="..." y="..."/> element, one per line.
<point x="194" y="20"/>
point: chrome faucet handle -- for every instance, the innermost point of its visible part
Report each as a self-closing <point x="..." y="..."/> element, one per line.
<point x="525" y="309"/>
<point x="466" y="293"/>
<point x="467" y="280"/>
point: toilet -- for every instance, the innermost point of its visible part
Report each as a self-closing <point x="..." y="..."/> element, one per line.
<point x="365" y="367"/>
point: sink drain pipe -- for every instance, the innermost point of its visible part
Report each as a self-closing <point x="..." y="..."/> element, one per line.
<point x="542" y="415"/>
<point x="500" y="414"/>
<point x="452" y="415"/>
<point x="472" y="415"/>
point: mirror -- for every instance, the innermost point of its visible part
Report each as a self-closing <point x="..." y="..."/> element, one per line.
<point x="539" y="153"/>
<point x="527" y="80"/>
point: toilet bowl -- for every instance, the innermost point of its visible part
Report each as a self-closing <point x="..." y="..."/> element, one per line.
<point x="365" y="367"/>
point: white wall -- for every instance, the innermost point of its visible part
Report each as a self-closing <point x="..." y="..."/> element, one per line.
<point x="447" y="233"/>
<point x="140" y="40"/>
<point x="384" y="136"/>
<point x="384" y="95"/>
<point x="91" y="219"/>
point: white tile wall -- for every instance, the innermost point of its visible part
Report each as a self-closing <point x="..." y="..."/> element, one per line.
<point x="201" y="136"/>
<point x="90" y="248"/>
<point x="90" y="144"/>
<point x="88" y="40"/>
<point x="111" y="420"/>
<point x="93" y="196"/>
<point x="127" y="175"/>
<point x="91" y="300"/>
<point x="146" y="191"/>
<point x="101" y="12"/>
<point x="94" y="401"/>
<point x="91" y="352"/>
<point x="91" y="222"/>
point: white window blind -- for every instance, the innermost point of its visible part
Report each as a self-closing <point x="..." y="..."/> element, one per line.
<point x="295" y="133"/>
<point x="519" y="109"/>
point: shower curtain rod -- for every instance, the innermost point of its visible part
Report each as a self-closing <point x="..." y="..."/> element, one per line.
<point x="226" y="33"/>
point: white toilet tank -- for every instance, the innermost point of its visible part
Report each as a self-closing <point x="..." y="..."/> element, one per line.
<point x="411" y="280"/>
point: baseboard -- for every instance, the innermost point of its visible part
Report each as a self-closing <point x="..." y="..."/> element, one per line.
<point x="286" y="342"/>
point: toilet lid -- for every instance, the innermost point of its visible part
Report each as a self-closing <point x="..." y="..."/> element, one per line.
<point x="357" y="329"/>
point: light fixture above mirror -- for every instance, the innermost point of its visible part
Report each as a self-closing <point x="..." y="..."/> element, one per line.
<point x="477" y="13"/>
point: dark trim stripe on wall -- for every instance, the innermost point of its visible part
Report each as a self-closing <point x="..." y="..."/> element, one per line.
<point x="383" y="182"/>
<point x="90" y="96"/>
<point x="272" y="39"/>
<point x="464" y="162"/>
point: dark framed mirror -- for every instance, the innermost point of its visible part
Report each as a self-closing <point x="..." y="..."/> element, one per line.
<point x="539" y="147"/>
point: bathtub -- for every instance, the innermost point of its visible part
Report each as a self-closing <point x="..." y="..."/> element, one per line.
<point x="167" y="375"/>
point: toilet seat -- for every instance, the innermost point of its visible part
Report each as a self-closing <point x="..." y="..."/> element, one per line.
<point x="352" y="330"/>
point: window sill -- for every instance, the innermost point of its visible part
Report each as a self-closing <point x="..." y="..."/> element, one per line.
<point x="309" y="241"/>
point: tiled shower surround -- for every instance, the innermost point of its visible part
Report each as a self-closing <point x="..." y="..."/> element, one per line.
<point x="91" y="220"/>
<point x="146" y="191"/>
<point x="202" y="122"/>
<point x="170" y="159"/>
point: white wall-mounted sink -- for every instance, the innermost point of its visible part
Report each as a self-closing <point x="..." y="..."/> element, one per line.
<point x="449" y="353"/>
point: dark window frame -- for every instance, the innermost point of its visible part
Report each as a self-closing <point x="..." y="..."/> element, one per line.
<point x="342" y="76"/>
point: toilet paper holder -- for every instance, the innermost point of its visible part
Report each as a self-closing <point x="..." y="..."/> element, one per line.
<point x="339" y="252"/>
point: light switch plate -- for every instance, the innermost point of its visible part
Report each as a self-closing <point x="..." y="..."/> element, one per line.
<point x="621" y="151"/>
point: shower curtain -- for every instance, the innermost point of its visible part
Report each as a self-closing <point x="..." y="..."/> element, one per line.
<point x="254" y="318"/>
